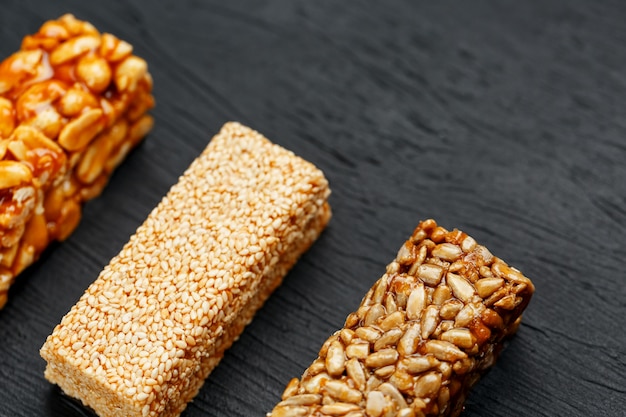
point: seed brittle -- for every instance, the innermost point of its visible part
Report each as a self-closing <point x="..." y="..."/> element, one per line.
<point x="424" y="332"/>
<point x="73" y="103"/>
<point x="152" y="326"/>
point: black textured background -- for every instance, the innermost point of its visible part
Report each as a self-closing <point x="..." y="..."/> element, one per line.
<point x="503" y="118"/>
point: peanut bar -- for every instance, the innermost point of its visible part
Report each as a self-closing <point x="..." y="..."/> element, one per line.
<point x="73" y="103"/>
<point x="421" y="337"/>
<point x="145" y="335"/>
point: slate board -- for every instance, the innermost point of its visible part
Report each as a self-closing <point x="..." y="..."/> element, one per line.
<point x="502" y="118"/>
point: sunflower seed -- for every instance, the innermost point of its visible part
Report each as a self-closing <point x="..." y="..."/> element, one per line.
<point x="430" y="274"/>
<point x="484" y="253"/>
<point x="393" y="393"/>
<point x="292" y="388"/>
<point x="301" y="399"/>
<point x="390" y="304"/>
<point x="421" y="256"/>
<point x="375" y="312"/>
<point x="358" y="350"/>
<point x="427" y="385"/>
<point x="406" y="412"/>
<point x="375" y="404"/>
<point x="487" y="286"/>
<point x="464" y="317"/>
<point x="346" y="336"/>
<point x="419" y="364"/>
<point x="450" y="309"/>
<point x="460" y="337"/>
<point x="289" y="411"/>
<point x="335" y="359"/>
<point x="314" y="384"/>
<point x="408" y="343"/>
<point x="447" y="252"/>
<point x="338" y="409"/>
<point x="393" y="320"/>
<point x="406" y="255"/>
<point x="340" y="391"/>
<point x="468" y="244"/>
<point x="444" y="399"/>
<point x="461" y="288"/>
<point x="372" y="383"/>
<point x="355" y="371"/>
<point x="379" y="289"/>
<point x="442" y="294"/>
<point x="416" y="302"/>
<point x="401" y="380"/>
<point x="369" y="334"/>
<point x="509" y="302"/>
<point x="444" y="351"/>
<point x="390" y="338"/>
<point x="430" y="320"/>
<point x="381" y="358"/>
<point x="385" y="372"/>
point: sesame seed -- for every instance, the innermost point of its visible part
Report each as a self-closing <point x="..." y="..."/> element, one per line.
<point x="161" y="304"/>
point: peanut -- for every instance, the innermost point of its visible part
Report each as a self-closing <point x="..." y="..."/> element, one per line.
<point x="25" y="257"/>
<point x="54" y="30"/>
<point x="69" y="219"/>
<point x="94" y="72"/>
<point x="18" y="149"/>
<point x="53" y="203"/>
<point x="80" y="131"/>
<point x="48" y="121"/>
<point x="36" y="233"/>
<point x="35" y="42"/>
<point x="114" y="49"/>
<point x="142" y="103"/>
<point x="116" y="133"/>
<point x="7" y="256"/>
<point x="38" y="97"/>
<point x="94" y="189"/>
<point x="77" y="27"/>
<point x="129" y="72"/>
<point x="117" y="156"/>
<point x="11" y="236"/>
<point x="72" y="105"/>
<point x="18" y="67"/>
<point x="74" y="48"/>
<point x="75" y="101"/>
<point x="140" y="129"/>
<point x="93" y="160"/>
<point x="13" y="173"/>
<point x="7" y="117"/>
<point x="34" y="139"/>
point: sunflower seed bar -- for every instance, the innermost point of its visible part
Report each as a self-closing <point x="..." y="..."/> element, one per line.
<point x="149" y="330"/>
<point x="73" y="103"/>
<point x="421" y="337"/>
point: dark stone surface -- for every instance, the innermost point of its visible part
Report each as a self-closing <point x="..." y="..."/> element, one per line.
<point x="502" y="118"/>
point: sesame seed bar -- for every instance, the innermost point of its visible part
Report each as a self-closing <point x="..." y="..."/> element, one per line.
<point x="145" y="335"/>
<point x="421" y="337"/>
<point x="73" y="103"/>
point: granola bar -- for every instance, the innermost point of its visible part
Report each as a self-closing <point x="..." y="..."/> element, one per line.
<point x="421" y="337"/>
<point x="73" y="103"/>
<point x="145" y="335"/>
